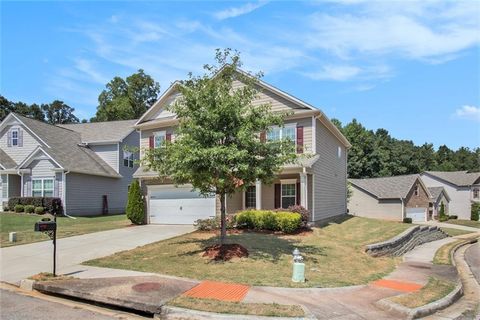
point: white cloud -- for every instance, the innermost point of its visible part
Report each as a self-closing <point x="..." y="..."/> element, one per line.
<point x="337" y="73"/>
<point x="238" y="11"/>
<point x="85" y="66"/>
<point x="468" y="112"/>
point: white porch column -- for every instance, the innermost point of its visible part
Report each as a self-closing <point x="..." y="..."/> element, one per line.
<point x="303" y="190"/>
<point x="258" y="194"/>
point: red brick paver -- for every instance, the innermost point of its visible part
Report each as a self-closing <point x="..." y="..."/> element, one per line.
<point x="397" y="285"/>
<point x="218" y="290"/>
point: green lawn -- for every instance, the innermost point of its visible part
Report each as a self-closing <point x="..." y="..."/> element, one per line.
<point x="23" y="224"/>
<point x="334" y="256"/>
<point x="433" y="291"/>
<point x="455" y="232"/>
<point x="467" y="223"/>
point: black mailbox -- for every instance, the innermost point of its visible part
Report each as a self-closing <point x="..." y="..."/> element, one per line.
<point x="45" y="226"/>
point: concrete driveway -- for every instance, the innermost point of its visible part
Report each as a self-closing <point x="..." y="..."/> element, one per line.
<point x="20" y="262"/>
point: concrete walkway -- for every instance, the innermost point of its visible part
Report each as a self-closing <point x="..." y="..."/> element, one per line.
<point x="451" y="226"/>
<point x="19" y="262"/>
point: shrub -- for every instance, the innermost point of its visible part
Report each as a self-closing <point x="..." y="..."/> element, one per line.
<point x="39" y="210"/>
<point x="245" y="219"/>
<point x="304" y="213"/>
<point x="475" y="211"/>
<point x="51" y="204"/>
<point x="207" y="224"/>
<point x="443" y="218"/>
<point x="270" y="221"/>
<point x="441" y="215"/>
<point x="452" y="217"/>
<point x="29" y="208"/>
<point x="19" y="208"/>
<point x="288" y="222"/>
<point x="407" y="220"/>
<point x="135" y="206"/>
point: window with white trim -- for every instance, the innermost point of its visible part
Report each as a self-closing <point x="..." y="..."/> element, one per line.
<point x="289" y="194"/>
<point x="15" y="136"/>
<point x="159" y="138"/>
<point x="289" y="131"/>
<point x="128" y="159"/>
<point x="251" y="197"/>
<point x="42" y="187"/>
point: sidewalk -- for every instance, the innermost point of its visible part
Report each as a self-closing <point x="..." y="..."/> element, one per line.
<point x="450" y="225"/>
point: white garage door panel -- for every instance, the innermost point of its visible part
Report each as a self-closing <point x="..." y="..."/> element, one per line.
<point x="170" y="205"/>
<point x="417" y="214"/>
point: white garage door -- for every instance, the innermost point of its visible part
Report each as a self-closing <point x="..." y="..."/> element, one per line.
<point x="171" y="205"/>
<point x="417" y="214"/>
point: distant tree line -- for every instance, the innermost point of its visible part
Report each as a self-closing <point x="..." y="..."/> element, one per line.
<point x="377" y="154"/>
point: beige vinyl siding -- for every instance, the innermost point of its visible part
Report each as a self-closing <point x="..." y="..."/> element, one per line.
<point x="18" y="154"/>
<point x="363" y="204"/>
<point x="145" y="137"/>
<point x="306" y="123"/>
<point x="235" y="202"/>
<point x="108" y="153"/>
<point x="330" y="175"/>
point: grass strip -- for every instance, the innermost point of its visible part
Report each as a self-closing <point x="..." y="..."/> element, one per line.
<point x="257" y="309"/>
<point x="433" y="291"/>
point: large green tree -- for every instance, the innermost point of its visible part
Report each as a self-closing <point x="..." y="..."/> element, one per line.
<point x="33" y="111"/>
<point x="58" y="112"/>
<point x="218" y="146"/>
<point x="125" y="99"/>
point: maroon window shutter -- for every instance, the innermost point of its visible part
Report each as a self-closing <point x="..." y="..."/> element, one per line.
<point x="151" y="142"/>
<point x="298" y="193"/>
<point x="168" y="137"/>
<point x="300" y="139"/>
<point x="263" y="136"/>
<point x="278" y="195"/>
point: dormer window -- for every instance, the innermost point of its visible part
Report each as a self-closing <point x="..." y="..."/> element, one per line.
<point x="14" y="137"/>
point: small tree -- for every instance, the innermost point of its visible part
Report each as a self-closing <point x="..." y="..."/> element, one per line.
<point x="219" y="146"/>
<point x="442" y="215"/>
<point x="135" y="206"/>
<point x="475" y="211"/>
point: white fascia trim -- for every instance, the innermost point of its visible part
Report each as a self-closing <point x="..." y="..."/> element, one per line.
<point x="314" y="135"/>
<point x="11" y="115"/>
<point x="158" y="102"/>
<point x="99" y="143"/>
<point x="3" y="168"/>
<point x="30" y="157"/>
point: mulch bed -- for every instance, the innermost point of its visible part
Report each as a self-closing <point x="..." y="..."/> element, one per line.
<point x="225" y="252"/>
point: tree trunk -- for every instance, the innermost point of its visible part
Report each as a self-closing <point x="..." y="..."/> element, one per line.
<point x="223" y="220"/>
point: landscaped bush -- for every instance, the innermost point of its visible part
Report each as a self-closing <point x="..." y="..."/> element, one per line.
<point x="407" y="220"/>
<point x="19" y="208"/>
<point x="29" y="208"/>
<point x="52" y="205"/>
<point x="135" y="206"/>
<point x="207" y="224"/>
<point x="287" y="222"/>
<point x="39" y="210"/>
<point x="304" y="213"/>
<point x="441" y="215"/>
<point x="452" y="217"/>
<point x="475" y="211"/>
<point x="443" y="218"/>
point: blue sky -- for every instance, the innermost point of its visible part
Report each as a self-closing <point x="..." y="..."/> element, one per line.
<point x="412" y="68"/>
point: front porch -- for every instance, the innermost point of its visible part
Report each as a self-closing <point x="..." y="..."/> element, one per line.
<point x="10" y="186"/>
<point x="286" y="190"/>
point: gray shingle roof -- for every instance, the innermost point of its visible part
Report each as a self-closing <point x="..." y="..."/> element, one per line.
<point x="65" y="148"/>
<point x="387" y="187"/>
<point x="436" y="192"/>
<point x="102" y="131"/>
<point x="458" y="178"/>
<point x="6" y="161"/>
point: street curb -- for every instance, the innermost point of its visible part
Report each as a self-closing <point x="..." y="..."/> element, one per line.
<point x="428" y="309"/>
<point x="169" y="312"/>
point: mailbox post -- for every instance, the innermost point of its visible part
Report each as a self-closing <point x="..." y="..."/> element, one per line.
<point x="50" y="228"/>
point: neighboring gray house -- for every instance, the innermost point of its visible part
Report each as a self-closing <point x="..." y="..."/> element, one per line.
<point x="317" y="182"/>
<point x="390" y="198"/>
<point x="463" y="188"/>
<point x="79" y="163"/>
<point x="439" y="196"/>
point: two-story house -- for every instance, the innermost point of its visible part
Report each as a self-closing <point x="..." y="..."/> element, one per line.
<point x="86" y="165"/>
<point x="318" y="181"/>
<point x="463" y="188"/>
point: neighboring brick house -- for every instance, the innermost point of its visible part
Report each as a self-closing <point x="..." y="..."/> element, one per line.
<point x="317" y="182"/>
<point x="79" y="163"/>
<point x="390" y="198"/>
<point x="439" y="196"/>
<point x="463" y="188"/>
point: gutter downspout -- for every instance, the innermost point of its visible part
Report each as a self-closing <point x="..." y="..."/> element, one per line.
<point x="64" y="194"/>
<point x="403" y="209"/>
